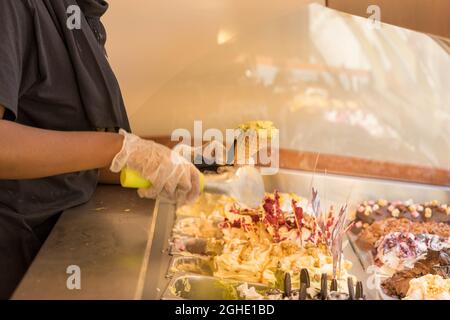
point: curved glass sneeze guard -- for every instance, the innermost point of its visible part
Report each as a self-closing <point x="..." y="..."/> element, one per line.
<point x="330" y="81"/>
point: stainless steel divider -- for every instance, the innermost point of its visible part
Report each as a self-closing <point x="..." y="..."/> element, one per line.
<point x="156" y="280"/>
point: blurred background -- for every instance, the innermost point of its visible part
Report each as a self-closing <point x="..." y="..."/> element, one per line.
<point x="333" y="83"/>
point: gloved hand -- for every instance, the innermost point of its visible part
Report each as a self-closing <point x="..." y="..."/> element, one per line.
<point x="172" y="176"/>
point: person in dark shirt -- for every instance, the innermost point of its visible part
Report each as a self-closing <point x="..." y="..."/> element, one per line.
<point x="60" y="114"/>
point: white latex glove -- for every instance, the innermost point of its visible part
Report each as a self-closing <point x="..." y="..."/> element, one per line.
<point x="172" y="176"/>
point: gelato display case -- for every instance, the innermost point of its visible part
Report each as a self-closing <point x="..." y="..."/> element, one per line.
<point x="363" y="112"/>
<point x="207" y="252"/>
<point x="359" y="205"/>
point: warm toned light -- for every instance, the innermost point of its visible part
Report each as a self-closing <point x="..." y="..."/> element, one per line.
<point x="223" y="36"/>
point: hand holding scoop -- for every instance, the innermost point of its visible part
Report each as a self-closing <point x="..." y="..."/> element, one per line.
<point x="246" y="185"/>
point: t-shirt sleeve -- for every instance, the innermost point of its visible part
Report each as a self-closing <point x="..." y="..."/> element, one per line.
<point x="14" y="34"/>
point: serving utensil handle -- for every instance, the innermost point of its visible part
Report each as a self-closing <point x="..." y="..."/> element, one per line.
<point x="130" y="178"/>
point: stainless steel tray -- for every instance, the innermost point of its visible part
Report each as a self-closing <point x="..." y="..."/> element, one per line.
<point x="190" y="264"/>
<point x="180" y="228"/>
<point x="197" y="287"/>
<point x="193" y="246"/>
<point x="333" y="189"/>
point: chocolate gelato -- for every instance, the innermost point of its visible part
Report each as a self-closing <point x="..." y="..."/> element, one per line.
<point x="371" y="211"/>
<point x="435" y="263"/>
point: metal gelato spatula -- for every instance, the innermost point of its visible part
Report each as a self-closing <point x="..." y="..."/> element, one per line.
<point x="246" y="185"/>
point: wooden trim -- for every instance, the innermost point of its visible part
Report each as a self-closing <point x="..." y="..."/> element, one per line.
<point x="351" y="166"/>
<point x="359" y="167"/>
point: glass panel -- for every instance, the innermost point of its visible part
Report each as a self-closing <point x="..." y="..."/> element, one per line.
<point x="332" y="83"/>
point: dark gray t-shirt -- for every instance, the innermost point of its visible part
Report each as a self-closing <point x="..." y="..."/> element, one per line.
<point x="40" y="87"/>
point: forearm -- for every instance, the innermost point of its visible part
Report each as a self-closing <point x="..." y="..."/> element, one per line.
<point x="28" y="153"/>
<point x="108" y="177"/>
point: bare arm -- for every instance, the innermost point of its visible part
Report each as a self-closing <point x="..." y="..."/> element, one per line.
<point x="28" y="153"/>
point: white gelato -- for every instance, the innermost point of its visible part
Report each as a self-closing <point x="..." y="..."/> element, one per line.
<point x="429" y="287"/>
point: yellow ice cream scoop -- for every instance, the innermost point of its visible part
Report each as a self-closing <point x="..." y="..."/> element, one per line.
<point x="246" y="185"/>
<point x="130" y="178"/>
